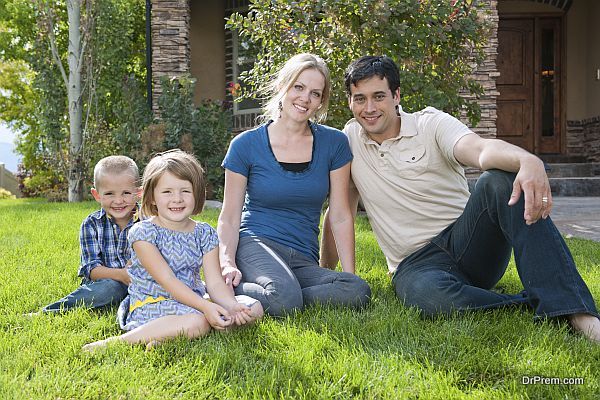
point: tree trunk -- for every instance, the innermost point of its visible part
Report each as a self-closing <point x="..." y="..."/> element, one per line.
<point x="76" y="174"/>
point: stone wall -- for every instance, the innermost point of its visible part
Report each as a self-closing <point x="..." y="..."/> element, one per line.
<point x="583" y="138"/>
<point x="170" y="42"/>
<point x="486" y="75"/>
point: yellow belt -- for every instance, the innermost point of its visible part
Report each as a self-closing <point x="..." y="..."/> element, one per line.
<point x="147" y="300"/>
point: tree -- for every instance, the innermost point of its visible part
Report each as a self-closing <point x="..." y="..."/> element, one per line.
<point x="34" y="97"/>
<point x="78" y="41"/>
<point x="436" y="43"/>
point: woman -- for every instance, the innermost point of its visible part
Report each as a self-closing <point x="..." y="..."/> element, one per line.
<point x="277" y="177"/>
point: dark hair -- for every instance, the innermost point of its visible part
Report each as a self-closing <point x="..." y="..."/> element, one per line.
<point x="369" y="66"/>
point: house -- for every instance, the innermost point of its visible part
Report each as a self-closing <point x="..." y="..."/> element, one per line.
<point x="541" y="76"/>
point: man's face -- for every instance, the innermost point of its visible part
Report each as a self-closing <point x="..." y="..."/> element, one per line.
<point x="374" y="107"/>
<point x="117" y="195"/>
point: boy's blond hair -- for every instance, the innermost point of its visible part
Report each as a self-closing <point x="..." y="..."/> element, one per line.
<point x="116" y="165"/>
<point x="179" y="163"/>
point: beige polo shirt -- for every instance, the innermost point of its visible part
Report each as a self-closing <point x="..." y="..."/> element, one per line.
<point x="411" y="186"/>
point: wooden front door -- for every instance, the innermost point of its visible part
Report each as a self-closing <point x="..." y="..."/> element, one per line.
<point x="529" y="105"/>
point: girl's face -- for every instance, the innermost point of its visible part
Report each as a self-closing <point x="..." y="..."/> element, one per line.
<point x="174" y="199"/>
<point x="304" y="97"/>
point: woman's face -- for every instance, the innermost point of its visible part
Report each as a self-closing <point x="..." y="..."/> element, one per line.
<point x="304" y="97"/>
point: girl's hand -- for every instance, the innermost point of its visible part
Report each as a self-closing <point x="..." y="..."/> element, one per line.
<point x="240" y="314"/>
<point x="217" y="316"/>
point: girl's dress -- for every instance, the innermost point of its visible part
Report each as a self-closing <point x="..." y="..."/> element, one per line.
<point x="183" y="251"/>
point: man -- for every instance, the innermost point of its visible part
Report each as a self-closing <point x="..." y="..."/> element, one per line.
<point x="447" y="248"/>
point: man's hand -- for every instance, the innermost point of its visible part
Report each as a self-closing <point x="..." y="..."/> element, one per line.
<point x="533" y="183"/>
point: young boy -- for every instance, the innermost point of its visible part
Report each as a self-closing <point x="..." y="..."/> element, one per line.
<point x="105" y="252"/>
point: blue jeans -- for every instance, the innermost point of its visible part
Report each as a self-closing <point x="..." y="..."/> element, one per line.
<point x="284" y="280"/>
<point x="91" y="294"/>
<point x="457" y="269"/>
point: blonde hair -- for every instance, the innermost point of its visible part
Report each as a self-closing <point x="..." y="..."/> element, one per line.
<point x="116" y="165"/>
<point x="275" y="90"/>
<point x="179" y="163"/>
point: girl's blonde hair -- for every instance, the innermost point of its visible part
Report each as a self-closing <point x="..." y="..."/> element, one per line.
<point x="276" y="89"/>
<point x="179" y="163"/>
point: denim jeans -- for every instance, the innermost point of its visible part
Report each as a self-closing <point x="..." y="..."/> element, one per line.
<point x="91" y="294"/>
<point x="284" y="280"/>
<point x="457" y="269"/>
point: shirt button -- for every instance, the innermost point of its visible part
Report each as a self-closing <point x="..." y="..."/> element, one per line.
<point x="381" y="154"/>
<point x="413" y="158"/>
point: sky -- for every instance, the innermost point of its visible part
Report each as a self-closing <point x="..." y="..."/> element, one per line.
<point x="7" y="156"/>
<point x="6" y="135"/>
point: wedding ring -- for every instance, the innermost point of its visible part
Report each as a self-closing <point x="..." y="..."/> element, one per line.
<point x="544" y="199"/>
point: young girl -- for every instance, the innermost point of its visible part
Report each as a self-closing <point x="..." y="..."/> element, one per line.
<point x="167" y="295"/>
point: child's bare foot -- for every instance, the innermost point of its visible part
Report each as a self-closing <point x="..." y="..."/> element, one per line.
<point x="152" y="344"/>
<point x="32" y="314"/>
<point x="587" y="324"/>
<point x="99" y="344"/>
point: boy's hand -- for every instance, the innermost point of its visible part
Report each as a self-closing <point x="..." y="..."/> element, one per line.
<point x="217" y="316"/>
<point x="124" y="276"/>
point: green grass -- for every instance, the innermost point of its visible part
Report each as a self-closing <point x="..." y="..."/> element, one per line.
<point x="384" y="351"/>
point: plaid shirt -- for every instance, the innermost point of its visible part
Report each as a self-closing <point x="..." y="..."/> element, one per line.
<point x="103" y="243"/>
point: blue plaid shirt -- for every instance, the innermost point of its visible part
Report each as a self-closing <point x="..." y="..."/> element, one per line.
<point x="103" y="243"/>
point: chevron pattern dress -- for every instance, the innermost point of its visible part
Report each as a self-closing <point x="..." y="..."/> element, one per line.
<point x="183" y="251"/>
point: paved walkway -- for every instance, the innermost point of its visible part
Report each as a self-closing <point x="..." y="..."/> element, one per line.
<point x="574" y="216"/>
<point x="577" y="216"/>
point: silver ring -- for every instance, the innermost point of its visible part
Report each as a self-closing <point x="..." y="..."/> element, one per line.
<point x="544" y="199"/>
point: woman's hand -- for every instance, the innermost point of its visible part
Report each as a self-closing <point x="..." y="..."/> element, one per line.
<point x="231" y="275"/>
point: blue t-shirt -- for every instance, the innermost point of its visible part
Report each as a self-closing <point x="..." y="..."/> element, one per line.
<point x="281" y="205"/>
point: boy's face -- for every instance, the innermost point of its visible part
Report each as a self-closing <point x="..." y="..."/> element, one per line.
<point x="117" y="195"/>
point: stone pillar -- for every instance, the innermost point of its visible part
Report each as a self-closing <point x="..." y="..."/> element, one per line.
<point x="486" y="74"/>
<point x="170" y="42"/>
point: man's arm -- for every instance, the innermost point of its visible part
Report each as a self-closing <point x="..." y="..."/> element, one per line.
<point x="531" y="179"/>
<point x="329" y="255"/>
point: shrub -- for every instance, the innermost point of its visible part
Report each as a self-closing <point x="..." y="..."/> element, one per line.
<point x="204" y="130"/>
<point x="5" y="194"/>
<point x="435" y="43"/>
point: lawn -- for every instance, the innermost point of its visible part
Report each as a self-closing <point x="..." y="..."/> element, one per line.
<point x="384" y="351"/>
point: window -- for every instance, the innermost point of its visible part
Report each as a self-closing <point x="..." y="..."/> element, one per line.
<point x="243" y="58"/>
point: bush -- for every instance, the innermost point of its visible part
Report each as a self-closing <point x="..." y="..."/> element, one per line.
<point x="5" y="194"/>
<point x="204" y="130"/>
<point x="435" y="43"/>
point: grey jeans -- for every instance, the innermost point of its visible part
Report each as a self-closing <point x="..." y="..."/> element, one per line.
<point x="284" y="280"/>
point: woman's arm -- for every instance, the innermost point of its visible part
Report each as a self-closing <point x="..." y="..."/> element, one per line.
<point x="340" y="216"/>
<point x="228" y="227"/>
<point x="220" y="293"/>
<point x="159" y="269"/>
<point x="329" y="254"/>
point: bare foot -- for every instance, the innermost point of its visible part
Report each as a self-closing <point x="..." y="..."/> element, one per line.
<point x="587" y="324"/>
<point x="152" y="344"/>
<point x="99" y="344"/>
<point x="32" y="314"/>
